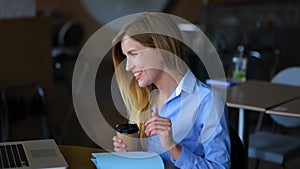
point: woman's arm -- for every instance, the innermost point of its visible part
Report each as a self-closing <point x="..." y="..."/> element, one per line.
<point x="216" y="151"/>
<point x="216" y="148"/>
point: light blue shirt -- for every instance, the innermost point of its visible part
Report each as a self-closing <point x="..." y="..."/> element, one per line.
<point x="199" y="125"/>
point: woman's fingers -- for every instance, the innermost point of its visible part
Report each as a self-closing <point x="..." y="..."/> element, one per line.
<point x="154" y="118"/>
<point x="157" y="129"/>
<point x="162" y="127"/>
<point x="157" y="125"/>
<point x="118" y="144"/>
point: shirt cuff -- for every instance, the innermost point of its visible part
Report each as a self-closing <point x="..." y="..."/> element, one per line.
<point x="185" y="159"/>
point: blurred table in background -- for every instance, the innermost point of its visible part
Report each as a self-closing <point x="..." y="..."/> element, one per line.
<point x="291" y="108"/>
<point x="258" y="96"/>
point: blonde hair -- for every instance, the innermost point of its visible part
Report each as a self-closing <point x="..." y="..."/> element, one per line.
<point x="152" y="30"/>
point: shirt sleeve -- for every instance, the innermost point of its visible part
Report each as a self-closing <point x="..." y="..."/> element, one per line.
<point x="216" y="150"/>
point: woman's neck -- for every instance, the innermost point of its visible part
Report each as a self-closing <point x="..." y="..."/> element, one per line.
<point x="166" y="84"/>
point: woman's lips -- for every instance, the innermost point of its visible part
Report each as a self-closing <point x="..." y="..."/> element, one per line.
<point x="137" y="75"/>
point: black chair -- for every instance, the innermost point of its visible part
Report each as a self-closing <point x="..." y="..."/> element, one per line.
<point x="24" y="112"/>
<point x="238" y="154"/>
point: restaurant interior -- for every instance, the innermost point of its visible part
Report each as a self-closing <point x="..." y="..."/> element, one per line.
<point x="40" y="41"/>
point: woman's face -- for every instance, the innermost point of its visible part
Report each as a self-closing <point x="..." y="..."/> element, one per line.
<point x="144" y="62"/>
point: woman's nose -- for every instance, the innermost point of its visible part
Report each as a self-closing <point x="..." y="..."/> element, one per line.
<point x="129" y="64"/>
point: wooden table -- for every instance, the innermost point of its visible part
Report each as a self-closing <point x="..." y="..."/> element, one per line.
<point x="291" y="108"/>
<point x="79" y="157"/>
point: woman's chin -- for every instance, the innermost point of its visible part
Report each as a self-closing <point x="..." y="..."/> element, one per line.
<point x="142" y="84"/>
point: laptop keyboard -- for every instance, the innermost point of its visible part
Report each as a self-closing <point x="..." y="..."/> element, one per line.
<point x="13" y="156"/>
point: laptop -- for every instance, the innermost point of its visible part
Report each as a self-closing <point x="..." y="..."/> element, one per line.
<point x="31" y="154"/>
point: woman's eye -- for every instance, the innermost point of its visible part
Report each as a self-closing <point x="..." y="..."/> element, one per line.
<point x="133" y="54"/>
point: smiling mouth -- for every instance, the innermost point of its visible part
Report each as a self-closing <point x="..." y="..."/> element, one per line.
<point x="137" y="75"/>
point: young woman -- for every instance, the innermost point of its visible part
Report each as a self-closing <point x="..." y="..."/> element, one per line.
<point x="180" y="117"/>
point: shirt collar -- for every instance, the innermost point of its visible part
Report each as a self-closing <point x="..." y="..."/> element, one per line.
<point x="187" y="83"/>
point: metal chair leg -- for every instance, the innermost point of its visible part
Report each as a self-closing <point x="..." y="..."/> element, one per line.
<point x="259" y="122"/>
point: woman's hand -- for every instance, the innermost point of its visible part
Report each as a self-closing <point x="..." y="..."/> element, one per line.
<point x="119" y="146"/>
<point x="163" y="128"/>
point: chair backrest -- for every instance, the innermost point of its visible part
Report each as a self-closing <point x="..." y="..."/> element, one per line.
<point x="24" y="109"/>
<point x="288" y="76"/>
<point x="238" y="154"/>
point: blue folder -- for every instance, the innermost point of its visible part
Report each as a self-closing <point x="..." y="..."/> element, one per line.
<point x="127" y="160"/>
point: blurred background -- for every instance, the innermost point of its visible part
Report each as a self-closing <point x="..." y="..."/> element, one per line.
<point x="41" y="39"/>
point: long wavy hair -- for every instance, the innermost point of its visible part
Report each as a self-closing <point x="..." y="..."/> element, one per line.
<point x="154" y="30"/>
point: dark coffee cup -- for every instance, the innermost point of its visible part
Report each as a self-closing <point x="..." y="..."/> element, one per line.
<point x="129" y="134"/>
